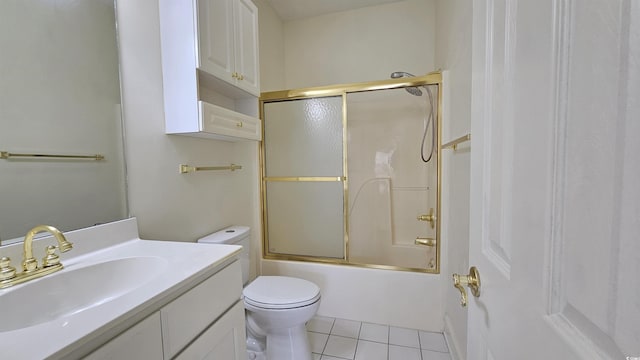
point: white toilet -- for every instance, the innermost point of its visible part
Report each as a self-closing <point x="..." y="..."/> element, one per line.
<point x="277" y="307"/>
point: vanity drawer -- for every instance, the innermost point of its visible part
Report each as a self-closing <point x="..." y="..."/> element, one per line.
<point x="229" y="124"/>
<point x="185" y="317"/>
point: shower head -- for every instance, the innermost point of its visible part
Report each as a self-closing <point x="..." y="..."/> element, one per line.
<point x="399" y="74"/>
<point x="411" y="90"/>
<point x="414" y="91"/>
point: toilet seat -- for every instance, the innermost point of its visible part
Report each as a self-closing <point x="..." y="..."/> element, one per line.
<point x="280" y="292"/>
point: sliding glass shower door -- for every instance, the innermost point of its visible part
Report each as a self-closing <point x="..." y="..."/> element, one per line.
<point x="351" y="174"/>
<point x="390" y="132"/>
<point x="304" y="177"/>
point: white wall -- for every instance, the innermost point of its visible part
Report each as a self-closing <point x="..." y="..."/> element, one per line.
<point x="453" y="53"/>
<point x="360" y="45"/>
<point x="271" y="36"/>
<point x="169" y="205"/>
<point x="353" y="46"/>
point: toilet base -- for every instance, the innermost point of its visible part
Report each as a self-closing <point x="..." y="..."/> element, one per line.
<point x="256" y="355"/>
<point x="289" y="344"/>
<point x="255" y="347"/>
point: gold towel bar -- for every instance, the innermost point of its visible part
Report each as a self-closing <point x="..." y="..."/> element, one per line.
<point x="7" y="155"/>
<point x="187" y="169"/>
<point x="453" y="144"/>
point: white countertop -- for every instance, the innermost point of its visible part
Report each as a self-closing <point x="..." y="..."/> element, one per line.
<point x="75" y="335"/>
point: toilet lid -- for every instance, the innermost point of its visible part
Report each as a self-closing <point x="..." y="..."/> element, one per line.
<point x="280" y="292"/>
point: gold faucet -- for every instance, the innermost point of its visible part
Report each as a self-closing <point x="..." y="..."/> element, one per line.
<point x="30" y="269"/>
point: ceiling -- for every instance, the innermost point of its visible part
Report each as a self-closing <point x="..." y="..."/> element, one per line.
<point x="300" y="9"/>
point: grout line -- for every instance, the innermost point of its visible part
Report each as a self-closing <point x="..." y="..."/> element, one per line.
<point x="357" y="340"/>
<point x="326" y="342"/>
<point x="333" y="324"/>
<point x="419" y="345"/>
<point x="355" y="352"/>
<point x="388" y="341"/>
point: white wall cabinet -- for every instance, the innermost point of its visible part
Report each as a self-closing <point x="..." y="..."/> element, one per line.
<point x="228" y="42"/>
<point x="206" y="322"/>
<point x="209" y="54"/>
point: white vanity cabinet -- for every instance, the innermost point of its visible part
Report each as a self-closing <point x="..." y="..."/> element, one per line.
<point x="225" y="339"/>
<point x="228" y="42"/>
<point x="141" y="341"/>
<point x="206" y="322"/>
<point x="187" y="316"/>
<point x="210" y="66"/>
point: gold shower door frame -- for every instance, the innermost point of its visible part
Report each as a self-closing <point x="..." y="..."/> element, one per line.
<point x="433" y="78"/>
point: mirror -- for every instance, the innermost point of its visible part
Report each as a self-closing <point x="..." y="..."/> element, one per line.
<point x="59" y="95"/>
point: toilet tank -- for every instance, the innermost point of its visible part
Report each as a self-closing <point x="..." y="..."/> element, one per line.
<point x="233" y="235"/>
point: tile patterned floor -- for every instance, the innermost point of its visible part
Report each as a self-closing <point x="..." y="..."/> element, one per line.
<point x="339" y="339"/>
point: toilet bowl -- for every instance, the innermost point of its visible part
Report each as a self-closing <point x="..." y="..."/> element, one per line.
<point x="277" y="307"/>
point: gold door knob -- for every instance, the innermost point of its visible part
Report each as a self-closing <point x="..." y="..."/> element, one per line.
<point x="430" y="217"/>
<point x="472" y="281"/>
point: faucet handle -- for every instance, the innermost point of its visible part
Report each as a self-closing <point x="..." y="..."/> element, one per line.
<point x="6" y="270"/>
<point x="29" y="264"/>
<point x="51" y="258"/>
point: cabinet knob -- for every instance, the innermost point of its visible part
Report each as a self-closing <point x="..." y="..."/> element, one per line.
<point x="239" y="124"/>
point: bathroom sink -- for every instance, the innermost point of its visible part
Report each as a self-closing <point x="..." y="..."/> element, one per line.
<point x="111" y="280"/>
<point x="76" y="289"/>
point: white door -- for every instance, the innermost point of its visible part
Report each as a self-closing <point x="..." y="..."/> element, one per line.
<point x="555" y="169"/>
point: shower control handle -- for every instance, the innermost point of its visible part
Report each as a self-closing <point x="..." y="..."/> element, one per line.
<point x="430" y="217"/>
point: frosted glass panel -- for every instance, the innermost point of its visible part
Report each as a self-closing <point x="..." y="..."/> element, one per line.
<point x="303" y="137"/>
<point x="306" y="218"/>
<point x="389" y="184"/>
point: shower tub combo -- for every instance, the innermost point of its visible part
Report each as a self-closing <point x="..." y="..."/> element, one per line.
<point x="351" y="173"/>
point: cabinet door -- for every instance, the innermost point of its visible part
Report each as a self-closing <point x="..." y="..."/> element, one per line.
<point x="188" y="315"/>
<point x="225" y="339"/>
<point x="246" y="46"/>
<point x="216" y="38"/>
<point x="142" y="341"/>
